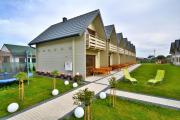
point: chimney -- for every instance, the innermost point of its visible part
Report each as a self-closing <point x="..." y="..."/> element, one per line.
<point x="64" y="19"/>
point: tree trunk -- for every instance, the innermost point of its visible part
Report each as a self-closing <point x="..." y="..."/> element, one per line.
<point x="113" y="97"/>
<point x="54" y="83"/>
<point x="110" y="96"/>
<point x="85" y="113"/>
<point x="22" y="90"/>
<point x="19" y="90"/>
<point x="88" y="113"/>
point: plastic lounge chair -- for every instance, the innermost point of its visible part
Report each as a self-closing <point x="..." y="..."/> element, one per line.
<point x="159" y="77"/>
<point x="128" y="76"/>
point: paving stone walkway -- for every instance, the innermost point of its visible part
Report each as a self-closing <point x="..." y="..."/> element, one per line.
<point x="60" y="106"/>
<point x="149" y="99"/>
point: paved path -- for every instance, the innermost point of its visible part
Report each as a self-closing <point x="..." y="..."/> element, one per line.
<point x="149" y="99"/>
<point x="60" y="106"/>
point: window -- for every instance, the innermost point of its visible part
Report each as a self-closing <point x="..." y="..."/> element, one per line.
<point x="22" y="60"/>
<point x="28" y="60"/>
<point x="6" y="59"/>
<point x="34" y="60"/>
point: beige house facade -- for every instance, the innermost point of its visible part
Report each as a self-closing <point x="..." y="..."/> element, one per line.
<point x="76" y="45"/>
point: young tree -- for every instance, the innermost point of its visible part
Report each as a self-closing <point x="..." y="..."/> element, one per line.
<point x="113" y="85"/>
<point x="21" y="76"/>
<point x="54" y="73"/>
<point x="84" y="97"/>
<point x="78" y="78"/>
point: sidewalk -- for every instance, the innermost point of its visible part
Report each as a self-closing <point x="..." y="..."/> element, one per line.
<point x="59" y="107"/>
<point x="149" y="99"/>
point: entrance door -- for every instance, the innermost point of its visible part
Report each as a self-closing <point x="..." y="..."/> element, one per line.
<point x="90" y="63"/>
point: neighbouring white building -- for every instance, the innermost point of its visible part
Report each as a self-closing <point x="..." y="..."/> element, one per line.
<point x="175" y="52"/>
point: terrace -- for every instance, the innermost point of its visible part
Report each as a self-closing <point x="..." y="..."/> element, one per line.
<point x="113" y="48"/>
<point x="93" y="42"/>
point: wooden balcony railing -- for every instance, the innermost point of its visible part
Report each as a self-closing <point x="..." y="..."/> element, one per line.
<point x="113" y="48"/>
<point x="126" y="52"/>
<point x="95" y="43"/>
<point x="120" y="50"/>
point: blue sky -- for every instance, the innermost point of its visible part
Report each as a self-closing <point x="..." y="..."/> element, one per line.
<point x="149" y="24"/>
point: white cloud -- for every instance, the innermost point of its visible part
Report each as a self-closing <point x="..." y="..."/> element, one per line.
<point x="149" y="24"/>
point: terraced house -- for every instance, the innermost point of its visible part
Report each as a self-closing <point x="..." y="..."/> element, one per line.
<point x="78" y="44"/>
<point x="175" y="52"/>
<point x="114" y="57"/>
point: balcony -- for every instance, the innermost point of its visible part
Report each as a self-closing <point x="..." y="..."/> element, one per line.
<point x="112" y="48"/>
<point x="126" y="52"/>
<point x="93" y="42"/>
<point x="120" y="50"/>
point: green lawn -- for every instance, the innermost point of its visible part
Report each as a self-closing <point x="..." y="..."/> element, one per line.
<point x="129" y="110"/>
<point x="39" y="89"/>
<point x="169" y="88"/>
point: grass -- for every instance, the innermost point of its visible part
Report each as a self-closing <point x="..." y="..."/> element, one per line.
<point x="129" y="110"/>
<point x="39" y="90"/>
<point x="169" y="88"/>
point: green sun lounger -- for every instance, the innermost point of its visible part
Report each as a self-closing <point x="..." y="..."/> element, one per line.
<point x="127" y="76"/>
<point x="159" y="77"/>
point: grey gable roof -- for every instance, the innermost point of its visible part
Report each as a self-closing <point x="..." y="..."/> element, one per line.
<point x="120" y="39"/>
<point x="125" y="41"/>
<point x="72" y="27"/>
<point x="19" y="50"/>
<point x="175" y="46"/>
<point x="108" y="30"/>
<point x="172" y="48"/>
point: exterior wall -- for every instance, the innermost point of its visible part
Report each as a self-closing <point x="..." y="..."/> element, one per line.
<point x="4" y="48"/>
<point x="101" y="56"/>
<point x="122" y="58"/>
<point x="104" y="58"/>
<point x="97" y="26"/>
<point x="176" y="59"/>
<point x="52" y="55"/>
<point x="6" y="53"/>
<point x="115" y="59"/>
<point x="79" y="53"/>
<point x="16" y="59"/>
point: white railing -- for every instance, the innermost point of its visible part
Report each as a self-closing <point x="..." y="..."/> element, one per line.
<point x="120" y="50"/>
<point x="112" y="48"/>
<point x="95" y="43"/>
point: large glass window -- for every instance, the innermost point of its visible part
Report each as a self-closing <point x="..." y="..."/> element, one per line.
<point x="33" y="60"/>
<point x="6" y="59"/>
<point x="22" y="60"/>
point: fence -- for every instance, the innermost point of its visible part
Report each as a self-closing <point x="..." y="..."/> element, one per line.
<point x="16" y="67"/>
